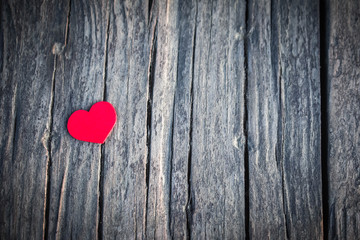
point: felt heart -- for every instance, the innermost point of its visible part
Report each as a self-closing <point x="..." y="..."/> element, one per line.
<point x="93" y="126"/>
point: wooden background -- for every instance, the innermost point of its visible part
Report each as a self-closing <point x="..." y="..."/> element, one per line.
<point x="236" y="119"/>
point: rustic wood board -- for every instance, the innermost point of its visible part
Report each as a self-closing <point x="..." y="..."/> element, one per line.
<point x="125" y="152"/>
<point x="343" y="119"/>
<point x="217" y="196"/>
<point x="79" y="83"/>
<point x="283" y="99"/>
<point x="28" y="32"/>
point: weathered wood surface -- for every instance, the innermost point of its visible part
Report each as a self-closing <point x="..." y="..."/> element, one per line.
<point x="27" y="77"/>
<point x="125" y="154"/>
<point x="218" y="131"/>
<point x="79" y="82"/>
<point x="216" y="164"/>
<point x="343" y="119"/>
<point x="283" y="99"/>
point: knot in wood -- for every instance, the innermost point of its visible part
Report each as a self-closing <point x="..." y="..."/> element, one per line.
<point x="57" y="48"/>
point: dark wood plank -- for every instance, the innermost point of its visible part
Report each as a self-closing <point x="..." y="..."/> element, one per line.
<point x="28" y="33"/>
<point x="217" y="196"/>
<point x="284" y="120"/>
<point x="301" y="117"/>
<point x="267" y="213"/>
<point x="125" y="152"/>
<point x="344" y="118"/>
<point x="79" y="83"/>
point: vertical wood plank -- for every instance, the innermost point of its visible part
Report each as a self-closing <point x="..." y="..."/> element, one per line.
<point x="125" y="154"/>
<point x="180" y="135"/>
<point x="79" y="83"/>
<point x="217" y="195"/>
<point x="301" y="117"/>
<point x="284" y="120"/>
<point x="28" y="33"/>
<point x="343" y="119"/>
<point x="267" y="213"/>
<point x="164" y="83"/>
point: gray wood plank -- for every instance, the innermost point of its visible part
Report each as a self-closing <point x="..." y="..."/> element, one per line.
<point x="267" y="213"/>
<point x="343" y="119"/>
<point x="284" y="120"/>
<point x="75" y="165"/>
<point x="28" y="33"/>
<point x="179" y="145"/>
<point x="125" y="152"/>
<point x="163" y="83"/>
<point x="217" y="196"/>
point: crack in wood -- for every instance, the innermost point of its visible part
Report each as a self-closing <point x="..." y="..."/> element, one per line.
<point x="150" y="88"/>
<point x="150" y="6"/>
<point x="277" y="74"/>
<point x="282" y="149"/>
<point x="245" y="126"/>
<point x="14" y="103"/>
<point x="60" y="203"/>
<point x="324" y="33"/>
<point x="102" y="148"/>
<point x="48" y="140"/>
<point x="14" y="130"/>
<point x="189" y="204"/>
<point x="56" y="50"/>
<point x="171" y="146"/>
<point x="276" y="68"/>
<point x="67" y="24"/>
<point x="106" y="52"/>
<point x="101" y="194"/>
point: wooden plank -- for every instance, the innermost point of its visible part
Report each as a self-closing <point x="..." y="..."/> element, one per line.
<point x="125" y="152"/>
<point x="28" y="33"/>
<point x="284" y="120"/>
<point x="267" y="213"/>
<point x="343" y="119"/>
<point x="181" y="123"/>
<point x="79" y="83"/>
<point x="162" y="92"/>
<point x="301" y="117"/>
<point x="216" y="178"/>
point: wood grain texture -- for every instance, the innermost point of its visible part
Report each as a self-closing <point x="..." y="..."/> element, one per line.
<point x="28" y="33"/>
<point x="79" y="83"/>
<point x="180" y="142"/>
<point x="125" y="152"/>
<point x="284" y="120"/>
<point x="217" y="195"/>
<point x="163" y="82"/>
<point x="343" y="119"/>
<point x="301" y="112"/>
<point x="267" y="212"/>
<point x="218" y="131"/>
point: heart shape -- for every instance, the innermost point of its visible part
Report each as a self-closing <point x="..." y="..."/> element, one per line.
<point x="93" y="126"/>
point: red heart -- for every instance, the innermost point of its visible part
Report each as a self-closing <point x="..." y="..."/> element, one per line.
<point x="93" y="126"/>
